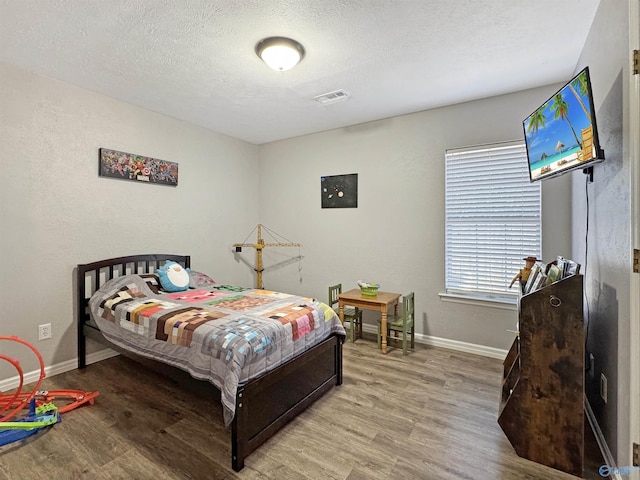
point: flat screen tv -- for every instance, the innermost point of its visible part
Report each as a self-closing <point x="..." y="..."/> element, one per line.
<point x="562" y="134"/>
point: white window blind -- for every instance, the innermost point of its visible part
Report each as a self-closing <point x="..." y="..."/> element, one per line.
<point x="493" y="219"/>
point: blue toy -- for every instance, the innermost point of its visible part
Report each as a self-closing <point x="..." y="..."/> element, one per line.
<point x="36" y="420"/>
<point x="173" y="277"/>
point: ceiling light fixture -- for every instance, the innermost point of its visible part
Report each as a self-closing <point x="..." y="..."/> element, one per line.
<point x="280" y="53"/>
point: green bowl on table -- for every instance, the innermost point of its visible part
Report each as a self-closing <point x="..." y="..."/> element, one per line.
<point x="369" y="289"/>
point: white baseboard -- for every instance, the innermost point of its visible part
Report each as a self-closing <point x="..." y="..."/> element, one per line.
<point x="476" y="349"/>
<point x="33" y="376"/>
<point x="602" y="443"/>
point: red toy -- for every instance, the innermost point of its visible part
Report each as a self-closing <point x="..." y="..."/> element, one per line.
<point x="38" y="402"/>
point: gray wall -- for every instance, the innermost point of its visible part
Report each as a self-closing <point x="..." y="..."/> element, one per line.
<point x="607" y="284"/>
<point x="396" y="235"/>
<point x="55" y="212"/>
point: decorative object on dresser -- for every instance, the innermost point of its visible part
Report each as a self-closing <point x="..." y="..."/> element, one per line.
<point x="523" y="275"/>
<point x="542" y="405"/>
<point x="115" y="300"/>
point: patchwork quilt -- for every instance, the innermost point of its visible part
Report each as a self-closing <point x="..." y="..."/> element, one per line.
<point x="225" y="334"/>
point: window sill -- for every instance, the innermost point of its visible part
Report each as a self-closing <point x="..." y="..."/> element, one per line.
<point x="501" y="303"/>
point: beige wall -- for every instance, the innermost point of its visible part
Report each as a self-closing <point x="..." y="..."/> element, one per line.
<point x="396" y="235"/>
<point x="56" y="212"/>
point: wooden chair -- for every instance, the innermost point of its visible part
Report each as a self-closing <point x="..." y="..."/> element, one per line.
<point x="351" y="314"/>
<point x="403" y="322"/>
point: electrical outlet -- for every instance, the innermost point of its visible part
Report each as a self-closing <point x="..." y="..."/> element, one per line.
<point x="44" y="331"/>
<point x="603" y="387"/>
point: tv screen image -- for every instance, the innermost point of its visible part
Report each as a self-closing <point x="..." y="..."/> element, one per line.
<point x="562" y="134"/>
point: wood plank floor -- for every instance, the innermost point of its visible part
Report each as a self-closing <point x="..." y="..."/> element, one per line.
<point x="429" y="415"/>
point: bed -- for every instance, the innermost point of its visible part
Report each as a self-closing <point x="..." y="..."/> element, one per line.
<point x="290" y="347"/>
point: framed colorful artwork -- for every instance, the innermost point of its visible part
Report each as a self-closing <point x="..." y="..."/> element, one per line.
<point x="339" y="191"/>
<point x="129" y="166"/>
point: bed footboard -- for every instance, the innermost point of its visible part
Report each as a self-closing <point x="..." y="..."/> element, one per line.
<point x="268" y="403"/>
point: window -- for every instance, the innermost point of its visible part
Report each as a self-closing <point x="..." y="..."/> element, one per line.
<point x="493" y="219"/>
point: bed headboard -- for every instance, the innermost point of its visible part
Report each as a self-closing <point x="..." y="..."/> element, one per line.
<point x="91" y="276"/>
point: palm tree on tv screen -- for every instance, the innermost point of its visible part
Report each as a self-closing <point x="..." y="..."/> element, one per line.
<point x="579" y="84"/>
<point x="562" y="111"/>
<point x="536" y="121"/>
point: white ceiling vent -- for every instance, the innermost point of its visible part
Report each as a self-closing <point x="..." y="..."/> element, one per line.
<point x="332" y="97"/>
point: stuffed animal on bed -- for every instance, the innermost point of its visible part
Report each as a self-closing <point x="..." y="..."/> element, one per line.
<point x="173" y="277"/>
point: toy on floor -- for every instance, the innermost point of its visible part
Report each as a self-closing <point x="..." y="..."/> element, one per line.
<point x="42" y="412"/>
<point x="36" y="420"/>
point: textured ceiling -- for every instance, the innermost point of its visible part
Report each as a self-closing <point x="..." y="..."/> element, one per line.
<point x="194" y="59"/>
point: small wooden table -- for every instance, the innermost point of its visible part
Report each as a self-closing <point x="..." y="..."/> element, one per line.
<point x="379" y="303"/>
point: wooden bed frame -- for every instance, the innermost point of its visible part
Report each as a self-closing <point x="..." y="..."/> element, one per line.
<point x="263" y="405"/>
